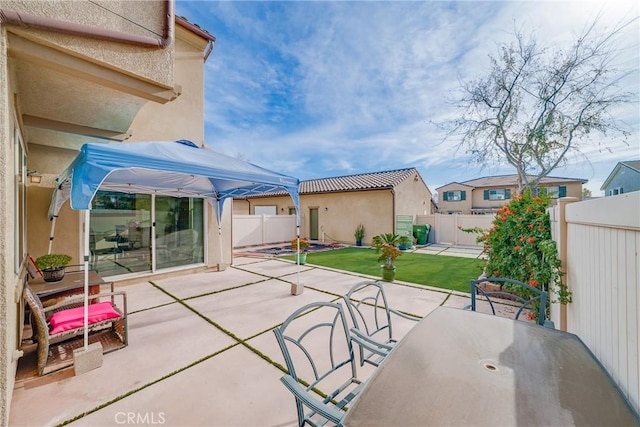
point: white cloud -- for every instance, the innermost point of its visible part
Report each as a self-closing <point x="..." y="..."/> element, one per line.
<point x="318" y="89"/>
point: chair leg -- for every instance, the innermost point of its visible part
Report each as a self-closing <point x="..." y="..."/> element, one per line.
<point x="43" y="355"/>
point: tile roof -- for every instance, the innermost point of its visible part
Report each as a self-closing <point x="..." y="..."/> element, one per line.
<point x="511" y="180"/>
<point x="359" y="182"/>
<point x="363" y="181"/>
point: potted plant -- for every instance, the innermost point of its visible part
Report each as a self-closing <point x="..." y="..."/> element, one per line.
<point x="304" y="244"/>
<point x="52" y="266"/>
<point x="359" y="234"/>
<point x="403" y="243"/>
<point x="385" y="245"/>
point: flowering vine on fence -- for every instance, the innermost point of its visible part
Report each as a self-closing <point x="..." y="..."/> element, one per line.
<point x="519" y="245"/>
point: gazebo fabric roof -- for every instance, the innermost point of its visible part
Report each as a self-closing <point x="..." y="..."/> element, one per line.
<point x="172" y="168"/>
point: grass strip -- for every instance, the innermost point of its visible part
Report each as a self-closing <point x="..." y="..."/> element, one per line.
<point x="439" y="271"/>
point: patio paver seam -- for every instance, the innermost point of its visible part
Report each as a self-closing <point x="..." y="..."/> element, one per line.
<point x="225" y="290"/>
<point x="147" y="385"/>
<point x="196" y="312"/>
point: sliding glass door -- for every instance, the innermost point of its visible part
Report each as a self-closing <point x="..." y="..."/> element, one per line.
<point x="121" y="232"/>
<point x="179" y="231"/>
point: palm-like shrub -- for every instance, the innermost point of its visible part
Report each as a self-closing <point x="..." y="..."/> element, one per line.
<point x="385" y="245"/>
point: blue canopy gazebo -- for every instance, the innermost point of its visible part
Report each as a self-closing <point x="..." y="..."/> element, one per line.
<point x="173" y="168"/>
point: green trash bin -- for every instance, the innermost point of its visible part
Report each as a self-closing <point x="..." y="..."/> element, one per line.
<point x="421" y="233"/>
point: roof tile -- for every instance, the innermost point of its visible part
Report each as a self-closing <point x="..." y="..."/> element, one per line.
<point x="363" y="181"/>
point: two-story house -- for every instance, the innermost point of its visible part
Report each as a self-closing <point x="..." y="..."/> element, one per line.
<point x="486" y="195"/>
<point x="71" y="73"/>
<point x="624" y="178"/>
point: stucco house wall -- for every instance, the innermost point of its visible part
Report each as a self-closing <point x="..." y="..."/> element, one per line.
<point x="8" y="278"/>
<point x="89" y="100"/>
<point x="340" y="212"/>
<point x="412" y="197"/>
<point x="183" y="118"/>
<point x="152" y="64"/>
<point x="455" y="206"/>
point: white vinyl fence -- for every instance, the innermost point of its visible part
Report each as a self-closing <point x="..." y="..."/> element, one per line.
<point x="446" y="228"/>
<point x="598" y="242"/>
<point x="252" y="230"/>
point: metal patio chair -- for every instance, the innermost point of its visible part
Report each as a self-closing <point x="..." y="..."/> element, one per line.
<point x="510" y="301"/>
<point x="317" y="350"/>
<point x="371" y="316"/>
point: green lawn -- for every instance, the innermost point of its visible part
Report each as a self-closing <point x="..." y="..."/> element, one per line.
<point x="434" y="270"/>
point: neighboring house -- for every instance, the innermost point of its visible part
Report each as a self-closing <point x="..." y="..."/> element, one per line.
<point x="486" y="195"/>
<point x="77" y="72"/>
<point x="624" y="178"/>
<point x="332" y="208"/>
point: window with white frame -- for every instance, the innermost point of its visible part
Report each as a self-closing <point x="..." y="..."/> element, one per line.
<point x="553" y="192"/>
<point x="615" y="191"/>
<point x="497" y="194"/>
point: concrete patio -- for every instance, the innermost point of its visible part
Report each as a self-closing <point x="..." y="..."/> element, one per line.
<point x="201" y="351"/>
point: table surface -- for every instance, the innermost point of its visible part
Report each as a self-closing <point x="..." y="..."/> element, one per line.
<point x="70" y="281"/>
<point x="458" y="367"/>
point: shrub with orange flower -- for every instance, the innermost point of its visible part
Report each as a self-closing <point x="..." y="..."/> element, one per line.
<point x="519" y="245"/>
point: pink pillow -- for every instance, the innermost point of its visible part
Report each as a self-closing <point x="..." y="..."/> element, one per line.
<point x="73" y="318"/>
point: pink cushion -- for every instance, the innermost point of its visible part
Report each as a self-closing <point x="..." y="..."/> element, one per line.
<point x="73" y="318"/>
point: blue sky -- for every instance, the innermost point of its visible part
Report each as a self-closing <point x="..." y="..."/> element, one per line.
<point x="330" y="88"/>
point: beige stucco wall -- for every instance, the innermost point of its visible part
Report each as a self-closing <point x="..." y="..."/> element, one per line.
<point x="413" y="197"/>
<point x="7" y="277"/>
<point x="338" y="213"/>
<point x="155" y="64"/>
<point x="182" y="118"/>
<point x="574" y="189"/>
<point x="479" y="202"/>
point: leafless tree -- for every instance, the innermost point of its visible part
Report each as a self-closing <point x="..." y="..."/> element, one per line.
<point x="538" y="104"/>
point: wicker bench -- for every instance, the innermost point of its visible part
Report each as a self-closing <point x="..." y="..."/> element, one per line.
<point x="65" y="320"/>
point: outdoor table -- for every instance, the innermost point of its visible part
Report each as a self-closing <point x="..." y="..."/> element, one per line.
<point x="459" y="367"/>
<point x="71" y="284"/>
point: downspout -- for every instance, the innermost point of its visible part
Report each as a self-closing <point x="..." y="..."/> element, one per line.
<point x="200" y="32"/>
<point x="9" y="17"/>
<point x="393" y="210"/>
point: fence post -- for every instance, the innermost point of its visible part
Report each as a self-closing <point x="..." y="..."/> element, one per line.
<point x="562" y="251"/>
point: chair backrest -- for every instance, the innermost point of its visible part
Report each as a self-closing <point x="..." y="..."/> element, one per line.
<point x="316" y="346"/>
<point x="40" y="328"/>
<point x="369" y="310"/>
<point x="511" y="293"/>
<point x="315" y="342"/>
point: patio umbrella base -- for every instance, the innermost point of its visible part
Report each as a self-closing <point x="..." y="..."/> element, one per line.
<point x="87" y="359"/>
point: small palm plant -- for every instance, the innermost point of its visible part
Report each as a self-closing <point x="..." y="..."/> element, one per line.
<point x="385" y="245"/>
